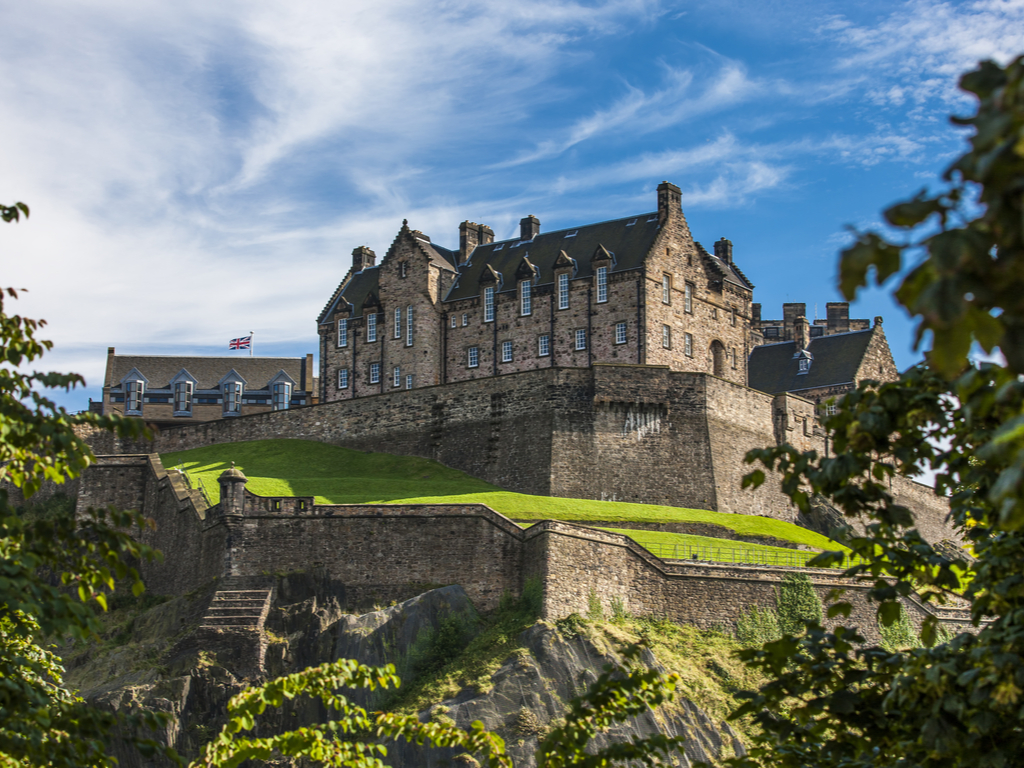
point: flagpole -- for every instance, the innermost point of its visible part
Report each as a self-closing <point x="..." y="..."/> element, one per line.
<point x="252" y="342"/>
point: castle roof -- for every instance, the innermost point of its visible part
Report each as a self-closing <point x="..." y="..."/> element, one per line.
<point x="207" y="371"/>
<point x="628" y="240"/>
<point x="835" y="359"/>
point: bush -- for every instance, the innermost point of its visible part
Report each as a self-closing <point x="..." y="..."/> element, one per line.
<point x="900" y="635"/>
<point x="759" y="626"/>
<point x="797" y="603"/>
<point x="595" y="611"/>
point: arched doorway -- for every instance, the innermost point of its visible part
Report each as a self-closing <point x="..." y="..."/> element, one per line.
<point x="718" y="358"/>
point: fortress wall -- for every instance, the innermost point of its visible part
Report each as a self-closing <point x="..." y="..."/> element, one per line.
<point x="933" y="523"/>
<point x="384" y="553"/>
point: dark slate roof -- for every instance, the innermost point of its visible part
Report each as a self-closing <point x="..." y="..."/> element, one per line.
<point x="772" y="368"/>
<point x="724" y="270"/>
<point x="628" y="243"/>
<point x="355" y="292"/>
<point x="208" y="371"/>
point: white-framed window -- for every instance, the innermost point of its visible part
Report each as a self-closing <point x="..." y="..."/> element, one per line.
<point x="563" y="290"/>
<point x="232" y="396"/>
<point x="688" y="298"/>
<point x="506" y="351"/>
<point x="666" y="289"/>
<point x="183" y="397"/>
<point x="343" y="378"/>
<point x="602" y="285"/>
<point x="343" y="332"/>
<point x="489" y="304"/>
<point x="525" y="298"/>
<point x="371" y="326"/>
<point x="282" y="395"/>
<point x="543" y="345"/>
<point x="402" y="269"/>
<point x="134" y="391"/>
<point x="620" y="333"/>
<point x="805" y="365"/>
<point x="666" y="336"/>
<point x="455" y="321"/>
<point x="397" y="381"/>
<point x="408" y="326"/>
<point x="581" y="338"/>
<point x="473" y="357"/>
<point x="688" y="344"/>
<point x="465" y="319"/>
<point x="408" y="381"/>
<point x="375" y="373"/>
<point x="831" y="409"/>
<point x="398" y="323"/>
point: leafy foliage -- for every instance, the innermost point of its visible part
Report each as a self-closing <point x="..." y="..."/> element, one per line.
<point x="798" y="603"/>
<point x="758" y="626"/>
<point x="55" y="569"/>
<point x="899" y="635"/>
<point x="830" y="700"/>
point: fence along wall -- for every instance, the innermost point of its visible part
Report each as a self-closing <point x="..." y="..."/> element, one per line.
<point x="379" y="553"/>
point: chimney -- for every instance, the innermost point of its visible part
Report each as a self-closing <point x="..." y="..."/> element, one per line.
<point x="670" y="201"/>
<point x="363" y="257"/>
<point x="838" y="314"/>
<point x="306" y="378"/>
<point x="755" y="315"/>
<point x="790" y="312"/>
<point x="529" y="228"/>
<point x="801" y="333"/>
<point x="723" y="250"/>
<point x="471" y="235"/>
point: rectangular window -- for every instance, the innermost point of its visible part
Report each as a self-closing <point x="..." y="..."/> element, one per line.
<point x="343" y="378"/>
<point x="135" y="392"/>
<point x="714" y="313"/>
<point x="183" y="397"/>
<point x="232" y="396"/>
<point x="666" y="289"/>
<point x="732" y="317"/>
<point x="455" y="321"/>
<point x="408" y="381"/>
<point x="688" y="299"/>
<point x="688" y="344"/>
<point x="473" y="358"/>
<point x="282" y="396"/>
<point x="543" y="345"/>
<point x="581" y="338"/>
<point x="666" y="336"/>
<point x="465" y="319"/>
<point x="398" y="377"/>
<point x="343" y="333"/>
<point x="831" y="409"/>
<point x="525" y="300"/>
<point x="602" y="285"/>
<point x="489" y="304"/>
<point x="563" y="291"/>
<point x="371" y="326"/>
<point x="408" y="326"/>
<point x="620" y="333"/>
<point x="375" y="373"/>
<point x="506" y="351"/>
<point x="734" y="357"/>
<point x="398" y="323"/>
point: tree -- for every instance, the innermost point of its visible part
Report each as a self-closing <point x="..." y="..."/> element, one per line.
<point x="54" y="571"/>
<point x="831" y="701"/>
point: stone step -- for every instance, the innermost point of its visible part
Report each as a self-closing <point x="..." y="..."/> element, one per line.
<point x="241" y="610"/>
<point x="249" y="620"/>
<point x="237" y="608"/>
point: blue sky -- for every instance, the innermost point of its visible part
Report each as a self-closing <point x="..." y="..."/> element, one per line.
<point x="197" y="170"/>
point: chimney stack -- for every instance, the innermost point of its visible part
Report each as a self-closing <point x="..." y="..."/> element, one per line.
<point x="670" y="201"/>
<point x="723" y="250"/>
<point x="802" y="333"/>
<point x="755" y="315"/>
<point x="363" y="257"/>
<point x="529" y="228"/>
<point x="790" y="312"/>
<point x="838" y="314"/>
<point x="471" y="235"/>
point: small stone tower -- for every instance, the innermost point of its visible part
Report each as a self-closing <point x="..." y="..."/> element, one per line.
<point x="232" y="491"/>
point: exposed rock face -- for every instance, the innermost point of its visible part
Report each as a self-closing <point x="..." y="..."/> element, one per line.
<point x="197" y="674"/>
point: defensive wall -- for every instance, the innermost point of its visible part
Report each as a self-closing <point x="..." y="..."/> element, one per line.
<point x="379" y="553"/>
<point x="619" y="432"/>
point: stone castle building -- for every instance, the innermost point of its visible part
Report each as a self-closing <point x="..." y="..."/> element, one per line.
<point x="635" y="290"/>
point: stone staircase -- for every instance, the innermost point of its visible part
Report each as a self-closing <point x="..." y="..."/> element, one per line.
<point x="237" y="605"/>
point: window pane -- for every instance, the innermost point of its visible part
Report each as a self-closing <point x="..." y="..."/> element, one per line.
<point x="563" y="291"/>
<point x="602" y="284"/>
<point x="488" y="305"/>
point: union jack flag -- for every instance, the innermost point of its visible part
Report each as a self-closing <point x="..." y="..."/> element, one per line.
<point x="245" y="342"/>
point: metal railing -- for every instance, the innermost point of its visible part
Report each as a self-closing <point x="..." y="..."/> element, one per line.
<point x="196" y="484"/>
<point x="739" y="556"/>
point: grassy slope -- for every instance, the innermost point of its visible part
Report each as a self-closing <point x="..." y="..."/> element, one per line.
<point x="335" y="475"/>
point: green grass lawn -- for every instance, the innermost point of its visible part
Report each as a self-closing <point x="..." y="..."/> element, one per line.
<point x="335" y="475"/>
<point x="683" y="546"/>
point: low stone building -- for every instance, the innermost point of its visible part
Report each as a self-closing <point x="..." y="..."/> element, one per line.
<point x="167" y="390"/>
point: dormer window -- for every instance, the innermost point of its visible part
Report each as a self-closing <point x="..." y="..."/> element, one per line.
<point x="232" y="398"/>
<point x="805" y="365"/>
<point x="134" y="391"/>
<point x="183" y="398"/>
<point x="282" y="395"/>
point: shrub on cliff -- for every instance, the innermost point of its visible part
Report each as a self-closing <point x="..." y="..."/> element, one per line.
<point x="831" y="701"/>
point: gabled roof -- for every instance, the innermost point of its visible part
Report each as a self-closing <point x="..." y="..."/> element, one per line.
<point x="159" y="370"/>
<point x="723" y="270"/>
<point x="773" y="368"/>
<point x="630" y="244"/>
